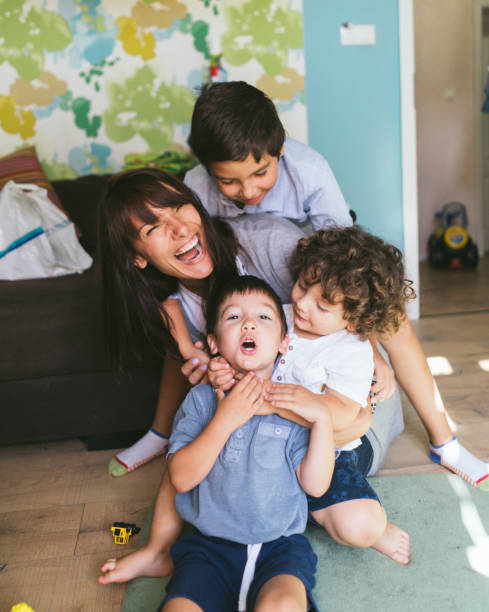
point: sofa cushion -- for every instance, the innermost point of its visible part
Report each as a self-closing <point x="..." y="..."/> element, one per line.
<point x="23" y="166"/>
<point x="80" y="198"/>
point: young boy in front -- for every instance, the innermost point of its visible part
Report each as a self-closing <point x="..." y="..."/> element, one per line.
<point x="242" y="478"/>
<point x="249" y="166"/>
<point x="348" y="284"/>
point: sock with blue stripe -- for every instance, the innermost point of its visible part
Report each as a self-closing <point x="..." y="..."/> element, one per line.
<point x="455" y="457"/>
<point x="146" y="448"/>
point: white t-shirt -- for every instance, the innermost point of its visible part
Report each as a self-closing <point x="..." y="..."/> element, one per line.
<point x="339" y="361"/>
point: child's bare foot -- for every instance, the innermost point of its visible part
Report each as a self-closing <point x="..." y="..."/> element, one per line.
<point x="394" y="543"/>
<point x="143" y="562"/>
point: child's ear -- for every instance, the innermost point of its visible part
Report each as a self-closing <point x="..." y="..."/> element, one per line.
<point x="140" y="262"/>
<point x="284" y="345"/>
<point x="282" y="150"/>
<point x="212" y="344"/>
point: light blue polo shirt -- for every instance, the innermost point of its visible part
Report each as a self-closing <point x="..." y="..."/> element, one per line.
<point x="252" y="494"/>
<point x="305" y="191"/>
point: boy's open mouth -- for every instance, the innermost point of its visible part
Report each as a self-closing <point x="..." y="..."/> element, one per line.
<point x="248" y="346"/>
<point x="191" y="251"/>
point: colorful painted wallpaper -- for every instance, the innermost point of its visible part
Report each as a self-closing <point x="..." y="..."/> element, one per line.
<point x="98" y="85"/>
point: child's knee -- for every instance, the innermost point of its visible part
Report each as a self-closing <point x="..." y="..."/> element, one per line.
<point x="283" y="593"/>
<point x="358" y="523"/>
<point x="280" y="602"/>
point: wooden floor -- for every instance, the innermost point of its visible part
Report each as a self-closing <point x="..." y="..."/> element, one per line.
<point x="57" y="501"/>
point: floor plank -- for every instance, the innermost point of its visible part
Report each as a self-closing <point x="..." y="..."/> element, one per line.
<point x="448" y="291"/>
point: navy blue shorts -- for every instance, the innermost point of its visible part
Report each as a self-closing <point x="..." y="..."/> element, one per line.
<point x="349" y="478"/>
<point x="209" y="570"/>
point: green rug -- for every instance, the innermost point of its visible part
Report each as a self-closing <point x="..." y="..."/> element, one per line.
<point x="448" y="524"/>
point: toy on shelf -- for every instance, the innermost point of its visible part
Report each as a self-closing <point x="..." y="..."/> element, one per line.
<point x="123" y="531"/>
<point x="450" y="246"/>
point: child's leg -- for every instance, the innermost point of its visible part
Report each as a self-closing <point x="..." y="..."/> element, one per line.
<point x="284" y="576"/>
<point x="363" y="523"/>
<point x="207" y="572"/>
<point x="154" y="558"/>
<point x="351" y="512"/>
<point x="283" y="592"/>
<point x="173" y="389"/>
<point x="414" y="376"/>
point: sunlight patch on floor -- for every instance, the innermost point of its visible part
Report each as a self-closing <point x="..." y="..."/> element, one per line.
<point x="478" y="554"/>
<point x="484" y="365"/>
<point x="440" y="366"/>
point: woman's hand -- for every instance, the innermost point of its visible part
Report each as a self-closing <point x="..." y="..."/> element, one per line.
<point x="385" y="383"/>
<point x="221" y="374"/>
<point x="195" y="368"/>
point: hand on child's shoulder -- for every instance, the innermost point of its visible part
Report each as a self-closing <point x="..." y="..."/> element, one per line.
<point x="221" y="375"/>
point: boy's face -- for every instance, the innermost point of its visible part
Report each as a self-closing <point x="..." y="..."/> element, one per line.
<point x="246" y="182"/>
<point x="313" y="315"/>
<point x="248" y="333"/>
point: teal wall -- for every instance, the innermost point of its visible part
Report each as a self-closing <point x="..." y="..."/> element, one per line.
<point x="353" y="104"/>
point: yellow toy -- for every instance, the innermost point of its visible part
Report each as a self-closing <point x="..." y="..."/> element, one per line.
<point x="21" y="607"/>
<point x="123" y="531"/>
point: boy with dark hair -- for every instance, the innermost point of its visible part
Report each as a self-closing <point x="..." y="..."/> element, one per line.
<point x="240" y="477"/>
<point x="248" y="165"/>
<point x="243" y="172"/>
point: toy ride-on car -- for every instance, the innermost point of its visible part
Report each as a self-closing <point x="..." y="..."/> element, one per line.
<point x="450" y="246"/>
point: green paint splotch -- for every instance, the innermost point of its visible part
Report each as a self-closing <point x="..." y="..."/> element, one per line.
<point x="141" y="106"/>
<point x="262" y="30"/>
<point x="27" y="34"/>
<point x="199" y="30"/>
<point x="80" y="107"/>
<point x="56" y="171"/>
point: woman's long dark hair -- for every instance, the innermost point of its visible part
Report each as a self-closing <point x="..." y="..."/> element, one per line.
<point x="132" y="297"/>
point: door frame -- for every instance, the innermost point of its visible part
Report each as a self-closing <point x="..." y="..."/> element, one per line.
<point x="408" y="150"/>
<point x="479" y="146"/>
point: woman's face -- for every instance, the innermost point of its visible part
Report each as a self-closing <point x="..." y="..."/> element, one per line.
<point x="175" y="243"/>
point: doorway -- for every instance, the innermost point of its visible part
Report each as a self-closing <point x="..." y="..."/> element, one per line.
<point x="451" y="135"/>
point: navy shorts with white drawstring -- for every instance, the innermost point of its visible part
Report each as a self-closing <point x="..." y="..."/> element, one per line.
<point x="209" y="571"/>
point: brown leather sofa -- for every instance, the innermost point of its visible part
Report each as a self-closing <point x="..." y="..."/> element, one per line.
<point x="55" y="379"/>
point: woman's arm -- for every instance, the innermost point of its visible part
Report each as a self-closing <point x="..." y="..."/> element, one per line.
<point x="385" y="382"/>
<point x="181" y="334"/>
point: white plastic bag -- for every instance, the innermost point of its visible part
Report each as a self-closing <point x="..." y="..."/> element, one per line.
<point x="37" y="239"/>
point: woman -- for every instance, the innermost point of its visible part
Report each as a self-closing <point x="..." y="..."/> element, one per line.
<point x="156" y="241"/>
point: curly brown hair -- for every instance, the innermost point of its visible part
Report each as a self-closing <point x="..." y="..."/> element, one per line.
<point x="360" y="269"/>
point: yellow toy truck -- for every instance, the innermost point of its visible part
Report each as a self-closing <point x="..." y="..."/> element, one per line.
<point x="123" y="531"/>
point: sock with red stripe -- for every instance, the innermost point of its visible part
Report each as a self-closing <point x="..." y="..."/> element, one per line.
<point x="455" y="457"/>
<point x="146" y="448"/>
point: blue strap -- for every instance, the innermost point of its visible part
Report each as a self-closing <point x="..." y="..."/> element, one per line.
<point x="22" y="240"/>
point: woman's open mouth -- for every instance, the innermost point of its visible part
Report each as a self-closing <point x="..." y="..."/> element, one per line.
<point x="248" y="346"/>
<point x="191" y="252"/>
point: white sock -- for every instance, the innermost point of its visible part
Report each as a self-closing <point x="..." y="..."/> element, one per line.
<point x="142" y="451"/>
<point x="458" y="459"/>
